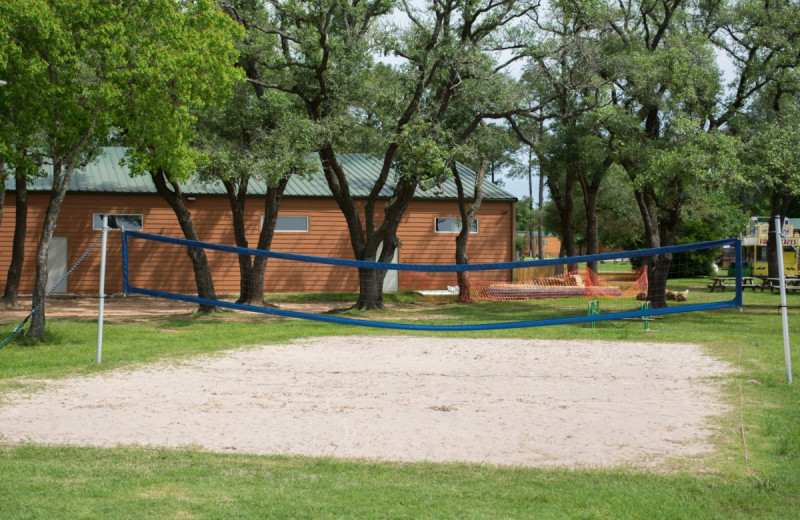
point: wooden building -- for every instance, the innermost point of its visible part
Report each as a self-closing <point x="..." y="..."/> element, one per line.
<point x="310" y="223"/>
<point x="551" y="244"/>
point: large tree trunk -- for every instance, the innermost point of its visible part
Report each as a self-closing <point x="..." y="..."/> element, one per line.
<point x="370" y="281"/>
<point x="252" y="269"/>
<point x="272" y="204"/>
<point x="11" y="292"/>
<point x="237" y="198"/>
<point x="366" y="240"/>
<point x="656" y="289"/>
<point x="659" y="232"/>
<point x="467" y="213"/>
<point x="464" y="284"/>
<point x="590" y="187"/>
<point x="2" y="187"/>
<point x="370" y="287"/>
<point x="564" y="201"/>
<point x="171" y="192"/>
<point x="592" y="238"/>
<point x="61" y="177"/>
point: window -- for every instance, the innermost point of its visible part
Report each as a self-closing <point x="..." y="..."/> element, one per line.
<point x="452" y="225"/>
<point x="290" y="224"/>
<point x="128" y="222"/>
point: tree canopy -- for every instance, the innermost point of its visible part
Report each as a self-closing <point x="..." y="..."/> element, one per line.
<point x="623" y="105"/>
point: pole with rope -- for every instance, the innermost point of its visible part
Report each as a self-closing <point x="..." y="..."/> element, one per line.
<point x="101" y="305"/>
<point x="784" y="314"/>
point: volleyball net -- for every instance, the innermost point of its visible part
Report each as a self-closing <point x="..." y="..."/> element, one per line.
<point x="609" y="286"/>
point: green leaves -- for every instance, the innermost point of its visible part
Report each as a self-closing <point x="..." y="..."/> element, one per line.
<point x="688" y="151"/>
<point x="60" y="63"/>
<point x="425" y="153"/>
<point x="771" y="154"/>
<point x="79" y="69"/>
<point x="262" y="137"/>
<point x="179" y="57"/>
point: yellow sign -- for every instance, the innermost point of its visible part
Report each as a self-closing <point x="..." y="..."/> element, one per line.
<point x="791" y="236"/>
<point x="795" y="241"/>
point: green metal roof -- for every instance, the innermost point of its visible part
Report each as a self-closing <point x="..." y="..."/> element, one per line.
<point x="106" y="175"/>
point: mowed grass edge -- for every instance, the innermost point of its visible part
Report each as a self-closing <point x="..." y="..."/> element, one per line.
<point x="63" y="482"/>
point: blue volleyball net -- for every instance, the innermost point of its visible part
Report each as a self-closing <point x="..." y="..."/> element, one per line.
<point x="637" y="284"/>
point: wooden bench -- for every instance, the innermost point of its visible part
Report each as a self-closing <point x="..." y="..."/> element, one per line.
<point x="719" y="283"/>
<point x="723" y="282"/>
<point x="792" y="284"/>
<point x="750" y="281"/>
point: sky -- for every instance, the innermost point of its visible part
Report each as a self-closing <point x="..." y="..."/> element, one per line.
<point x="519" y="187"/>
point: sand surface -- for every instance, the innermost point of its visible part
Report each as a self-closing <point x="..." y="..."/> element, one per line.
<point x="499" y="401"/>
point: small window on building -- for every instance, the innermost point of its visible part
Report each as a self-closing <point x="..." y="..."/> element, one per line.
<point x="453" y="225"/>
<point x="290" y="224"/>
<point x="128" y="222"/>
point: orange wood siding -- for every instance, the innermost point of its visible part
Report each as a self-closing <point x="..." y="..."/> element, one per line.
<point x="420" y="244"/>
<point x="163" y="267"/>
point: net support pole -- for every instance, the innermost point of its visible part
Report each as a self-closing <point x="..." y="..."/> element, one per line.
<point x="102" y="295"/>
<point x="784" y="315"/>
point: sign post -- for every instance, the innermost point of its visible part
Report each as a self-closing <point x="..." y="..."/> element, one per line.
<point x="101" y="305"/>
<point x="784" y="316"/>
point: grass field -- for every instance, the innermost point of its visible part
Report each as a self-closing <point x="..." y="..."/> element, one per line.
<point x="750" y="476"/>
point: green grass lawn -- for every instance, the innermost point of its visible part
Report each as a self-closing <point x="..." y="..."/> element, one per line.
<point x="53" y="482"/>
<point x="615" y="265"/>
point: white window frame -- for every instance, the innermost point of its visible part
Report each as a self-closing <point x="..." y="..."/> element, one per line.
<point x="97" y="221"/>
<point x="288" y="230"/>
<point x="455" y="224"/>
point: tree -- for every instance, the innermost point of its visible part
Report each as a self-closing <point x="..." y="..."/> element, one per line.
<point x="254" y="137"/>
<point x="584" y="158"/>
<point x="502" y="147"/>
<point x="11" y="291"/>
<point x="761" y="40"/>
<point x="562" y="72"/>
<point x="485" y="92"/>
<point x="20" y="149"/>
<point x="66" y="53"/>
<point x="6" y="26"/>
<point x="19" y="137"/>
<point x="180" y="56"/>
<point x="327" y="59"/>
<point x="467" y="213"/>
<point x="620" y="224"/>
<point x="665" y="86"/>
<point x="258" y="134"/>
<point x="659" y="103"/>
<point x="524" y="168"/>
<point x="580" y="153"/>
<point x="772" y="142"/>
<point x="98" y="65"/>
<point x="323" y="58"/>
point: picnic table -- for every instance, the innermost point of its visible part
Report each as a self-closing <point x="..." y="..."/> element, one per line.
<point x="723" y="282"/>
<point x="792" y="284"/>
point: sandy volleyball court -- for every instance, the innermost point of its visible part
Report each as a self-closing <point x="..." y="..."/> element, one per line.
<point x="500" y="401"/>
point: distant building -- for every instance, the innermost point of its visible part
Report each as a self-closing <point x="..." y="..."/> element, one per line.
<point x="310" y="222"/>
<point x="551" y="244"/>
<point x="754" y="247"/>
